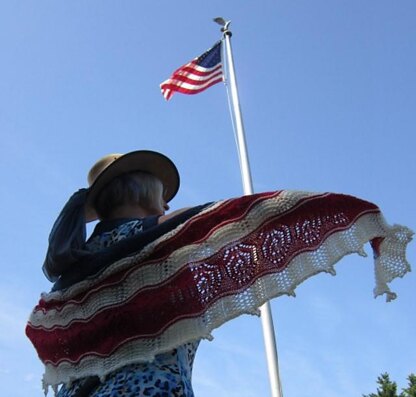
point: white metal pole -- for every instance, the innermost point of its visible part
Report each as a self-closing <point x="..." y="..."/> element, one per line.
<point x="266" y="315"/>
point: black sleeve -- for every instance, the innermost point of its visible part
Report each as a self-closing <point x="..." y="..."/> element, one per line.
<point x="67" y="237"/>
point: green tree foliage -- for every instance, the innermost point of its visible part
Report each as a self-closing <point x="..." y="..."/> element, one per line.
<point x="388" y="388"/>
<point x="411" y="390"/>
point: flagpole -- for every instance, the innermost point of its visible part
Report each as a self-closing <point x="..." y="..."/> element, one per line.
<point x="266" y="315"/>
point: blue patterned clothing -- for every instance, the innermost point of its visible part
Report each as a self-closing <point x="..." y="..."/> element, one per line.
<point x="168" y="375"/>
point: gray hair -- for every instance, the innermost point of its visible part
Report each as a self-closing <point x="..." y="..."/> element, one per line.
<point x="136" y="187"/>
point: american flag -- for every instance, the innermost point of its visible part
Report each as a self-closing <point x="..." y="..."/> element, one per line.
<point x="197" y="75"/>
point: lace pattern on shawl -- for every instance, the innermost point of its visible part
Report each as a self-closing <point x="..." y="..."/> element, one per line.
<point x="226" y="261"/>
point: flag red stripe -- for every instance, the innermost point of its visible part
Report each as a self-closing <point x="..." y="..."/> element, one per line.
<point x="171" y="88"/>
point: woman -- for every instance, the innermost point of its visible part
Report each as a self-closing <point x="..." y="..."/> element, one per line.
<point x="130" y="305"/>
<point x="128" y="196"/>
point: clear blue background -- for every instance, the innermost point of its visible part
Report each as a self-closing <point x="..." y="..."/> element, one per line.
<point x="327" y="90"/>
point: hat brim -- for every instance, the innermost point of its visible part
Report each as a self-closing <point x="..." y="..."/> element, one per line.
<point x="149" y="161"/>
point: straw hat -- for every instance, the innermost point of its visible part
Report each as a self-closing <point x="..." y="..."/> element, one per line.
<point x="113" y="165"/>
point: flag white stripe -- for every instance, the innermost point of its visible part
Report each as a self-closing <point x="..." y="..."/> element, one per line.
<point x="201" y="69"/>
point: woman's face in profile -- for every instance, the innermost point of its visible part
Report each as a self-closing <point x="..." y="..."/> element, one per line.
<point x="160" y="207"/>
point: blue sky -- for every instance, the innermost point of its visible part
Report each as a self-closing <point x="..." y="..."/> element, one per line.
<point x="327" y="90"/>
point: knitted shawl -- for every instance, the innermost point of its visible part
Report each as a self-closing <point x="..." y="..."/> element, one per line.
<point x="227" y="260"/>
